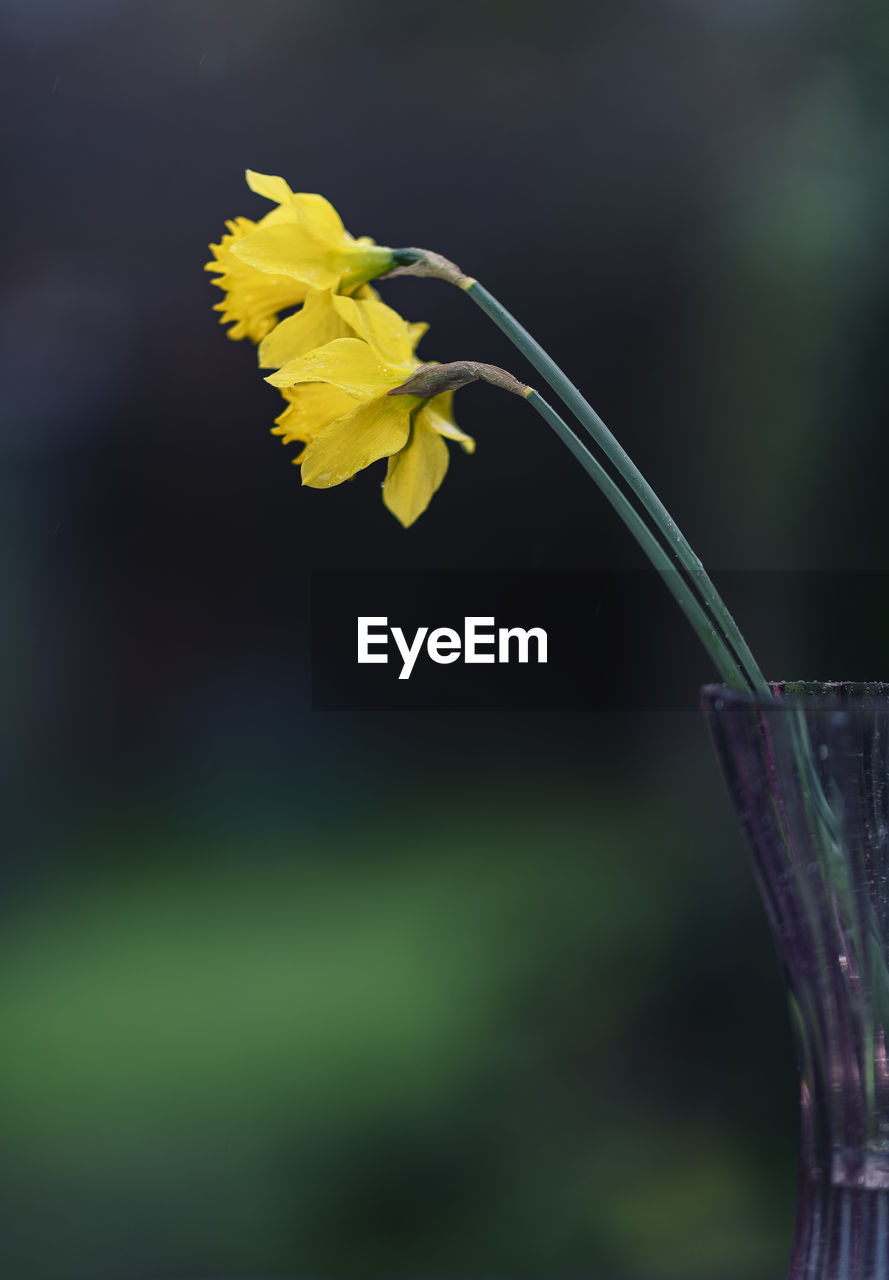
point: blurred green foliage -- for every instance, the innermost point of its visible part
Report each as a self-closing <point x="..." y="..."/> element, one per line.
<point x="444" y="1039"/>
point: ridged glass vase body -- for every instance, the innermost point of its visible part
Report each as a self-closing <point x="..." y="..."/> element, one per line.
<point x="809" y="778"/>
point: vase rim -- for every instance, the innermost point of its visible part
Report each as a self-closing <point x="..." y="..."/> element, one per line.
<point x="812" y="695"/>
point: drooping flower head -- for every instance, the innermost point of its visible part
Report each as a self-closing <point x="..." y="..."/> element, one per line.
<point x="339" y="404"/>
<point x="267" y="267"/>
<point x="342" y="356"/>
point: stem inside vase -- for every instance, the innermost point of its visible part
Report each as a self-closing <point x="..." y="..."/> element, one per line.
<point x="808" y="774"/>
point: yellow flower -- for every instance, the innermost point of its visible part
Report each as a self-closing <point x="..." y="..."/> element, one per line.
<point x="267" y="267"/>
<point x="340" y="407"/>
<point x="324" y="317"/>
<point x="253" y="299"/>
<point x="304" y="239"/>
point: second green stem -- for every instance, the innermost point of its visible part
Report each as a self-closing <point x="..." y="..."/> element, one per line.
<point x="670" y="531"/>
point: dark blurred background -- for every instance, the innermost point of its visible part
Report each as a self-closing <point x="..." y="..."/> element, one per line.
<point x="294" y="994"/>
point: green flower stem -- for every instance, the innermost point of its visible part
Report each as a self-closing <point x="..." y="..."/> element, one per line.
<point x="676" y="583"/>
<point x="670" y="531"/>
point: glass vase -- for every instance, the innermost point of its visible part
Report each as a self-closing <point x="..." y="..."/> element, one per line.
<point x="808" y="774"/>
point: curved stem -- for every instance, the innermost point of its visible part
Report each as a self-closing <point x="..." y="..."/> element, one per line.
<point x="592" y="423"/>
<point x="675" y="582"/>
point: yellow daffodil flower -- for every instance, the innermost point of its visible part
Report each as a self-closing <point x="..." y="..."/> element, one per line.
<point x="304" y="239"/>
<point x="323" y="318"/>
<point x="342" y="438"/>
<point x="267" y="267"/>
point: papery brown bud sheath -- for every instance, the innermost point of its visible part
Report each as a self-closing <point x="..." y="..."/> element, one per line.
<point x="423" y="262"/>
<point x="432" y="379"/>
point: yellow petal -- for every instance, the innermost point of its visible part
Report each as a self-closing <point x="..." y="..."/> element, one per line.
<point x="322" y="219"/>
<point x="437" y="413"/>
<point x="314" y="325"/>
<point x="415" y="332"/>
<point x="290" y="249"/>
<point x="310" y="408"/>
<point x="347" y="363"/>
<point x="415" y="473"/>
<point x="264" y="184"/>
<point x="317" y="214"/>
<point x="372" y="431"/>
<point x="379" y="325"/>
<point x="280" y="214"/>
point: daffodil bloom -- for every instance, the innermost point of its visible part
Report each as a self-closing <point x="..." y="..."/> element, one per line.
<point x="324" y="317"/>
<point x="304" y="239"/>
<point x="341" y="439"/>
<point x="267" y="267"/>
